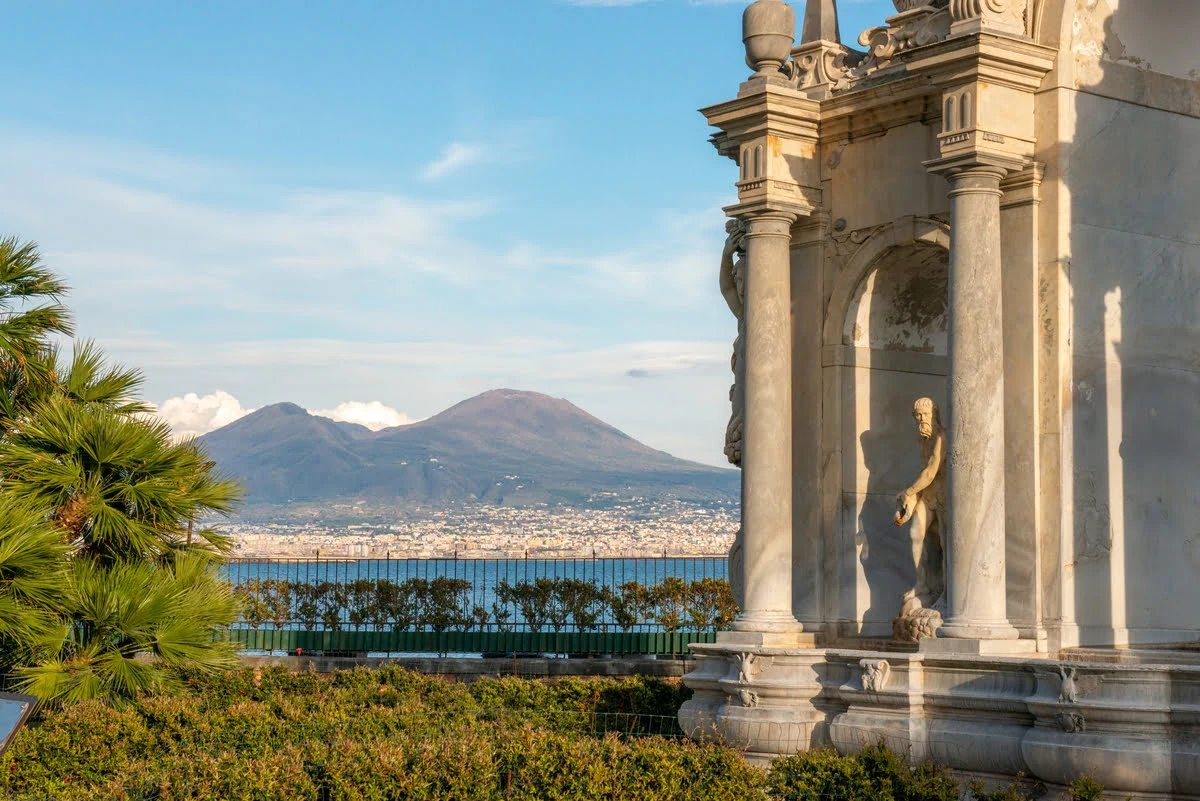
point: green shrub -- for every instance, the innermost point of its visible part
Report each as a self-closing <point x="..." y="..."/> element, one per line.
<point x="386" y="733"/>
<point x="227" y="776"/>
<point x="1085" y="789"/>
<point x="876" y="774"/>
<point x="81" y="745"/>
<point x="1009" y="792"/>
<point x="818" y="776"/>
<point x="456" y="766"/>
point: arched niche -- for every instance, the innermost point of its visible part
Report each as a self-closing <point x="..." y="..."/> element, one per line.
<point x="900" y="306"/>
<point x="886" y="340"/>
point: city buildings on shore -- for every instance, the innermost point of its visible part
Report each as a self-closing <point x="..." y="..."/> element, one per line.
<point x="630" y="528"/>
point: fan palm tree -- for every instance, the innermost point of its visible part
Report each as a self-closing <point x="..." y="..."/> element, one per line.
<point x="104" y="592"/>
<point x="32" y="575"/>
<point x="118" y="487"/>
<point x="133" y="627"/>
<point x="25" y="329"/>
<point x="31" y="314"/>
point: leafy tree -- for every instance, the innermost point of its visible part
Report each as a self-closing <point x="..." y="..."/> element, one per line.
<point x="115" y="614"/>
<point x="32" y="575"/>
<point x="118" y="487"/>
<point x="104" y="592"/>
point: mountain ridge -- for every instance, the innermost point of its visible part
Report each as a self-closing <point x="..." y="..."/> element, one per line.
<point x="502" y="446"/>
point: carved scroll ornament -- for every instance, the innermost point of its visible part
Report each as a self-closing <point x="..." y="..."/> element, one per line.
<point x="1012" y="11"/>
<point x="918" y="28"/>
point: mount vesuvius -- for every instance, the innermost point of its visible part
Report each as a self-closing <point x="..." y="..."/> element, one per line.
<point x="504" y="446"/>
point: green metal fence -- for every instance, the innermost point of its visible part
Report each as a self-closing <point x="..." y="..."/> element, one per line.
<point x="520" y="606"/>
<point x="589" y="643"/>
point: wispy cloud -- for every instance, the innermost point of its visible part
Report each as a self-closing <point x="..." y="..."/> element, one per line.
<point x="454" y="157"/>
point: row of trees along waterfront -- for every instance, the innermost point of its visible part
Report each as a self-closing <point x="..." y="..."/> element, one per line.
<point x="445" y="603"/>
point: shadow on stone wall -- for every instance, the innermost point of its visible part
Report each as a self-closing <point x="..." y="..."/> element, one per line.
<point x="1132" y="174"/>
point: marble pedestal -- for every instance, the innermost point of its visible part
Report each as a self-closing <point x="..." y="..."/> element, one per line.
<point x="1130" y="723"/>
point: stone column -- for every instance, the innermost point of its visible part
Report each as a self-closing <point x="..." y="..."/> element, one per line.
<point x="974" y="546"/>
<point x="767" y="431"/>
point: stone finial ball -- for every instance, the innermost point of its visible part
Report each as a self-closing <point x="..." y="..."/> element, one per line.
<point x="768" y="31"/>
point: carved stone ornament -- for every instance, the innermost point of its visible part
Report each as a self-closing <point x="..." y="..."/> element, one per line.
<point x="922" y="25"/>
<point x="1068" y="693"/>
<point x="918" y="625"/>
<point x="737" y="566"/>
<point x="819" y="65"/>
<point x="910" y="5"/>
<point x="768" y="31"/>
<point x="1005" y="13"/>
<point x="750" y="665"/>
<point x="1070" y="722"/>
<point x="733" y="289"/>
<point x="875" y="674"/>
<point x="747" y="698"/>
<point x="967" y="9"/>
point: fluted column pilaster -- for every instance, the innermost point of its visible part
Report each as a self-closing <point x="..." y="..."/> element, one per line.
<point x="767" y="431"/>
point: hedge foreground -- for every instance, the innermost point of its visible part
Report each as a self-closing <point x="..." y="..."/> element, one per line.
<point x="368" y="735"/>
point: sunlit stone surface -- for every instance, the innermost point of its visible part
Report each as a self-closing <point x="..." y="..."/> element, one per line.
<point x="993" y="207"/>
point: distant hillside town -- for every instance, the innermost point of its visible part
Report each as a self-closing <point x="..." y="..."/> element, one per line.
<point x="634" y="528"/>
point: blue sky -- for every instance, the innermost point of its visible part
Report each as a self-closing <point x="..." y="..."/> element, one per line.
<point x="401" y="203"/>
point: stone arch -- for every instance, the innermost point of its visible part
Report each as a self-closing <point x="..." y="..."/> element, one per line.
<point x="906" y="231"/>
<point x="881" y="352"/>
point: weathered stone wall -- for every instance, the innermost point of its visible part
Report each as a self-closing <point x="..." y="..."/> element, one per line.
<point x="1130" y="187"/>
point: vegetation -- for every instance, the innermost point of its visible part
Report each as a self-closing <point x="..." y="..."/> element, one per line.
<point x="378" y="734"/>
<point x="392" y="734"/>
<point x="105" y="589"/>
<point x="445" y="604"/>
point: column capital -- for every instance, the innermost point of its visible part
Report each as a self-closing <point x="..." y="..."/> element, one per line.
<point x="763" y="213"/>
<point x="972" y="163"/>
<point x="768" y="222"/>
<point x="978" y="180"/>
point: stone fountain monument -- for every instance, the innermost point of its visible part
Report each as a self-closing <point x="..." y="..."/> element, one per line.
<point x="983" y="217"/>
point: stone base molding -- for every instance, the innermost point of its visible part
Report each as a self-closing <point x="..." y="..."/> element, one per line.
<point x="1134" y="727"/>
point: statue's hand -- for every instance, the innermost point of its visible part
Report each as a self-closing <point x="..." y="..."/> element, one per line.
<point x="906" y="504"/>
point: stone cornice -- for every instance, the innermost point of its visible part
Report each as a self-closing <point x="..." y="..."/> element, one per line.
<point x="1023" y="188"/>
<point x="995" y="58"/>
<point x="778" y="109"/>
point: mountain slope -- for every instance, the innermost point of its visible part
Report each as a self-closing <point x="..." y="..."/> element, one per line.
<point x="504" y="446"/>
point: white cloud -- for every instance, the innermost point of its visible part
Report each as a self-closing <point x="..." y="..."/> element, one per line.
<point x="372" y="414"/>
<point x="192" y="415"/>
<point x="455" y="156"/>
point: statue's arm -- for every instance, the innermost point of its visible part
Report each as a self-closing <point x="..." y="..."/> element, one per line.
<point x="930" y="471"/>
<point x="728" y="286"/>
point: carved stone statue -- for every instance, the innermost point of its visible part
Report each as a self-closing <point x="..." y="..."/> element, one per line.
<point x="921" y="507"/>
<point x="733" y="288"/>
